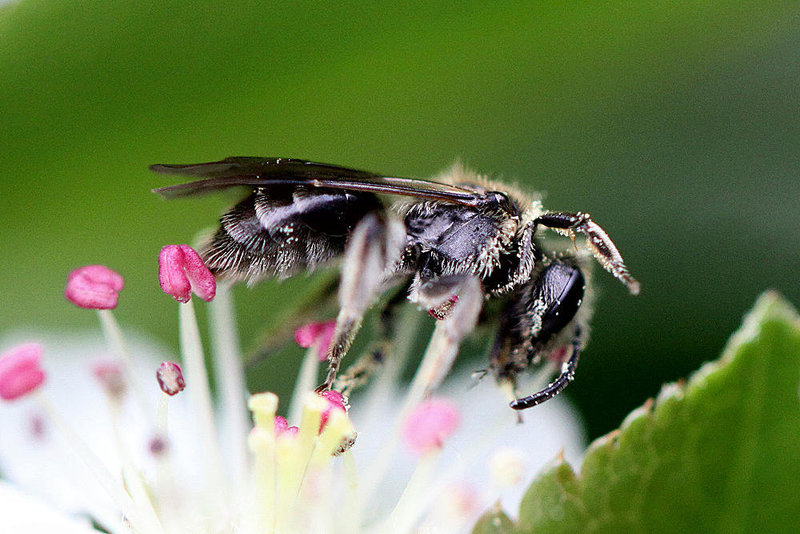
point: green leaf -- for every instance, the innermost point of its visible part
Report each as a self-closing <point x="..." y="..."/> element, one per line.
<point x="720" y="453"/>
<point x="494" y="522"/>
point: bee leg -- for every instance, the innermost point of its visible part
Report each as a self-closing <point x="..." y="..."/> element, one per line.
<point x="601" y="245"/>
<point x="556" y="386"/>
<point x="458" y="300"/>
<point x="372" y="252"/>
<point x="537" y="319"/>
<point x="360" y="372"/>
<point x="517" y="265"/>
<point x="369" y="363"/>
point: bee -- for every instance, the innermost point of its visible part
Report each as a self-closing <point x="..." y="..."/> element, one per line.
<point x="440" y="242"/>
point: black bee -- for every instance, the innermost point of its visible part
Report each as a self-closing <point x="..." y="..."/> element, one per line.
<point x="434" y="240"/>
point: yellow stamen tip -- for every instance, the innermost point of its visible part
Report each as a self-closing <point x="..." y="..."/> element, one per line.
<point x="264" y="406"/>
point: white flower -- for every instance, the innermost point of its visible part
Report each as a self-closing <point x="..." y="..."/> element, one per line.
<point x="22" y="513"/>
<point x="102" y="445"/>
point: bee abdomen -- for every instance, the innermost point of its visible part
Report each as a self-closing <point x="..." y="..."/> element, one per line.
<point x="284" y="233"/>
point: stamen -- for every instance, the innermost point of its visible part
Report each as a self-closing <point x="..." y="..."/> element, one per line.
<point x="170" y="378"/>
<point x="97" y="287"/>
<point x="263" y="406"/>
<point x="311" y="422"/>
<point x="424" y="431"/>
<point x="110" y="378"/>
<point x="468" y="461"/>
<point x="453" y="509"/>
<point x="200" y="395"/>
<point x="232" y="388"/>
<point x="403" y="516"/>
<point x="437" y="360"/>
<point x="20" y="372"/>
<point x="181" y="272"/>
<point x="293" y="457"/>
<point x="165" y="490"/>
<point x="290" y="464"/>
<point x="352" y="514"/>
<point x="158" y="445"/>
<point x="336" y="402"/>
<point x="316" y="334"/>
<point x="109" y="374"/>
<point x="262" y="443"/>
<point x="133" y="481"/>
<point x="507" y="467"/>
<point x="38" y="427"/>
<point x="338" y="435"/>
<point x="426" y="428"/>
<point x="316" y="337"/>
<point x="94" y="287"/>
<point x="384" y="387"/>
<point x="113" y="336"/>
<point x="305" y="382"/>
<point x="282" y="427"/>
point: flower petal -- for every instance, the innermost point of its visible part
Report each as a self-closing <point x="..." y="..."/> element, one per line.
<point x="23" y="513"/>
<point x="35" y="456"/>
<point x="486" y="425"/>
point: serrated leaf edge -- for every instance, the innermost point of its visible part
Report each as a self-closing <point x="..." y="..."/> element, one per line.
<point x="770" y="305"/>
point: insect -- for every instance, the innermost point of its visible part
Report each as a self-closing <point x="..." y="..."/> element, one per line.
<point x="429" y="240"/>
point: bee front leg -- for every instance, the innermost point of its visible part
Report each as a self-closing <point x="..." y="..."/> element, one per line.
<point x="555" y="387"/>
<point x="538" y="321"/>
<point x="372" y="252"/>
<point x="601" y="245"/>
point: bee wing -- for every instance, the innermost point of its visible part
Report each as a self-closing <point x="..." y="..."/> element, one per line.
<point x="265" y="172"/>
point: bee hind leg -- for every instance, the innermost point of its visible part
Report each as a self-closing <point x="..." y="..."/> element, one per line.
<point x="372" y="251"/>
<point x="375" y="356"/>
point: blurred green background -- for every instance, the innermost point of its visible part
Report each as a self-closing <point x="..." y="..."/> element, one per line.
<point x="674" y="123"/>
